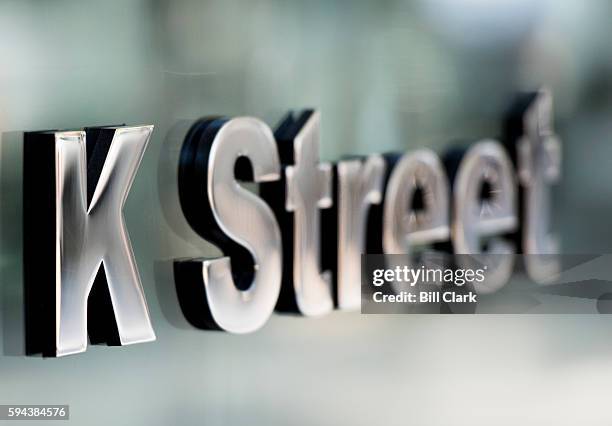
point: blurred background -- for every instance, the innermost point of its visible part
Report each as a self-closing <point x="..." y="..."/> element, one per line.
<point x="386" y="75"/>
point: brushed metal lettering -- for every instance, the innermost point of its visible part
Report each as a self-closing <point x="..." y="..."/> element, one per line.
<point x="484" y="206"/>
<point x="403" y="225"/>
<point x="360" y="185"/>
<point x="89" y="236"/>
<point x="539" y="166"/>
<point x="234" y="215"/>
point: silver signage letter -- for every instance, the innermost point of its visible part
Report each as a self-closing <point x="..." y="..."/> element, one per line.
<point x="539" y="164"/>
<point x="75" y="186"/>
<point x="360" y="184"/>
<point x="484" y="206"/>
<point x="306" y="189"/>
<point x="238" y="292"/>
<point x="416" y="203"/>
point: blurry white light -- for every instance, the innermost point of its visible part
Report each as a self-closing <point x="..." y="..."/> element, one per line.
<point x="481" y="22"/>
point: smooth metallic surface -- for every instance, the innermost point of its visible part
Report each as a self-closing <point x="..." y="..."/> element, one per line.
<point x="360" y="184"/>
<point x="246" y="219"/>
<point x="539" y="166"/>
<point x="308" y="190"/>
<point x="91" y="236"/>
<point x="403" y="226"/>
<point x="478" y="215"/>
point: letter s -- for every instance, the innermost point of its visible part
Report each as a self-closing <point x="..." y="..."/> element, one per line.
<point x="236" y="295"/>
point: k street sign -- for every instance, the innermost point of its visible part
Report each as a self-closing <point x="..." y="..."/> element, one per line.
<point x="295" y="245"/>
